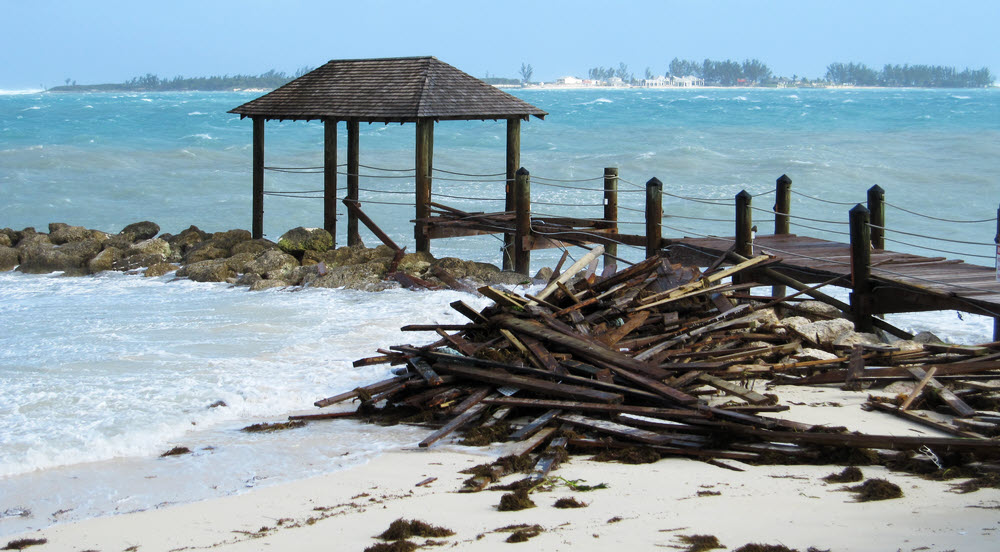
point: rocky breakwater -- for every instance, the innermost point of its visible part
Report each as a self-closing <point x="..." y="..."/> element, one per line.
<point x="303" y="257"/>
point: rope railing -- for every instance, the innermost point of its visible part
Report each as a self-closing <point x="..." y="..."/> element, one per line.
<point x="940" y="250"/>
<point x="821" y="221"/>
<point x="814" y="198"/>
<point x="963" y="242"/>
<point x="468" y="174"/>
<point x="977" y="221"/>
<point x="449" y="196"/>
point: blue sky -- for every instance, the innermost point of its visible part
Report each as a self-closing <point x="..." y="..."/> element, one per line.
<point x="45" y="42"/>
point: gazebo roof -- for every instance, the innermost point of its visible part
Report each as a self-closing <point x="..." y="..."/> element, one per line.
<point x="388" y="90"/>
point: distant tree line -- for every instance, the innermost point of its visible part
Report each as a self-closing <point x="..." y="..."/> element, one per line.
<point x="152" y="83"/>
<point x="924" y="76"/>
<point x="608" y="73"/>
<point x="722" y="73"/>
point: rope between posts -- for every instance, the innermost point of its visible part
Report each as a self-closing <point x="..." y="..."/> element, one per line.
<point x="697" y="218"/>
<point x="940" y="250"/>
<point x="437" y="194"/>
<point x="937" y="218"/>
<point x="824" y="200"/>
<point x="587" y="189"/>
<point x="762" y="194"/>
<point x="467" y="174"/>
<point x="385" y="169"/>
<point x="963" y="242"/>
<point x="376" y="175"/>
<point x="707" y="200"/>
<point x="821" y="221"/>
<point x="294" y="170"/>
<point x="827" y="230"/>
<point x="360" y="189"/>
<point x="567" y="204"/>
<point x="533" y="177"/>
<point x="446" y="179"/>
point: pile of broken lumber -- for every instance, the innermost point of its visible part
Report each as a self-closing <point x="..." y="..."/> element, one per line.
<point x="662" y="357"/>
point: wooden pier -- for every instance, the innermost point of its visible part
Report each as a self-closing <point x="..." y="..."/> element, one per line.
<point x="881" y="281"/>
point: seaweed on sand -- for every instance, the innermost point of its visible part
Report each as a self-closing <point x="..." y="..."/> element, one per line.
<point x="176" y="451"/>
<point x="517" y="500"/>
<point x="630" y="455"/>
<point x="700" y="543"/>
<point x="268" y="428"/>
<point x="876" y="489"/>
<point x="21" y="544"/>
<point x="404" y="529"/>
<point x="570" y="502"/>
<point x="850" y="474"/>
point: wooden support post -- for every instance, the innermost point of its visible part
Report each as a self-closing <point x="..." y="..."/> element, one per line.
<point x="611" y="211"/>
<point x="330" y="177"/>
<point x="744" y="224"/>
<point x="861" y="258"/>
<point x="513" y="163"/>
<point x="744" y="231"/>
<point x="876" y="210"/>
<point x="996" y="240"/>
<point x="654" y="216"/>
<point x="424" y="164"/>
<point x="353" y="168"/>
<point x="522" y="207"/>
<point x="782" y="208"/>
<point x="782" y="204"/>
<point x="258" y="178"/>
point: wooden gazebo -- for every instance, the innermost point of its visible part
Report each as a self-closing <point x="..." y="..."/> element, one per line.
<point x="420" y="90"/>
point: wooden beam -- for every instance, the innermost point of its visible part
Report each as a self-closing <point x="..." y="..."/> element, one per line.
<point x="353" y="170"/>
<point x="355" y="207"/>
<point x="522" y="195"/>
<point x="424" y="168"/>
<point x="467" y="410"/>
<point x="258" y="178"/>
<point x="654" y="217"/>
<point x="513" y="162"/>
<point x="536" y="385"/>
<point x="330" y="177"/>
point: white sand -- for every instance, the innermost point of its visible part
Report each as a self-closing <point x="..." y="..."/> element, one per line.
<point x="657" y="503"/>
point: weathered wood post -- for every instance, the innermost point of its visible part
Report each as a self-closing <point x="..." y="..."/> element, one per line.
<point x="512" y="165"/>
<point x="861" y="260"/>
<point x="876" y="208"/>
<point x="782" y="207"/>
<point x="611" y="211"/>
<point x="744" y="230"/>
<point x="330" y="177"/>
<point x="522" y="194"/>
<point x="996" y="240"/>
<point x="424" y="154"/>
<point x="654" y="216"/>
<point x="782" y="204"/>
<point x="744" y="224"/>
<point x="257" y="225"/>
<point x="353" y="169"/>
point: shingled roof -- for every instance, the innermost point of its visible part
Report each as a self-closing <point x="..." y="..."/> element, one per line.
<point x="388" y="90"/>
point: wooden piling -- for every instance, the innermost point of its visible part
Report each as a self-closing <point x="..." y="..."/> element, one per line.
<point x="861" y="256"/>
<point x="353" y="168"/>
<point x="782" y="204"/>
<point x="522" y="194"/>
<point x="257" y="225"/>
<point x="424" y="154"/>
<point x="876" y="209"/>
<point x="744" y="224"/>
<point x="330" y="177"/>
<point x="996" y="240"/>
<point x="513" y="163"/>
<point x="654" y="216"/>
<point x="611" y="211"/>
<point x="782" y="208"/>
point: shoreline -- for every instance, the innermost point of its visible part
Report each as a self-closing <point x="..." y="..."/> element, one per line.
<point x="654" y="503"/>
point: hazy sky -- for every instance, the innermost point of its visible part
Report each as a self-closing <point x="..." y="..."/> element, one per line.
<point x="45" y="42"/>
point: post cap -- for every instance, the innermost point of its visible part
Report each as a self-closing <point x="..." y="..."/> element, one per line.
<point x="654" y="182"/>
<point x="522" y="172"/>
<point x="783" y="179"/>
<point x="744" y="195"/>
<point x="876" y="189"/>
<point x="860" y="209"/>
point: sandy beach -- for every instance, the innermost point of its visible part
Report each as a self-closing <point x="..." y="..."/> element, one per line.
<point x="644" y="507"/>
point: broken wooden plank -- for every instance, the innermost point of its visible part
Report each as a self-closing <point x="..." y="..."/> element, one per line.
<point x="536" y="385"/>
<point x="524" y="447"/>
<point x="425" y="371"/>
<point x="956" y="404"/>
<point x="622" y="431"/>
<point x="534" y="425"/>
<point x="922" y="420"/>
<point x="731" y="388"/>
<point x="472" y="314"/>
<point x="918" y="388"/>
<point x="651" y="411"/>
<point x="655" y="386"/>
<point x="467" y="410"/>
<point x="367" y="389"/>
<point x="548" y="459"/>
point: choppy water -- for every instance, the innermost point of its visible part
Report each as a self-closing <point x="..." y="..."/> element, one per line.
<point x="101" y="374"/>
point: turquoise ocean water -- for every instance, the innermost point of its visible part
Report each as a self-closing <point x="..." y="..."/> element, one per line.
<point x="101" y="374"/>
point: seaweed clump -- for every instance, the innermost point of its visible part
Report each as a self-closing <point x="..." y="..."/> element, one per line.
<point x="21" y="544"/>
<point x="396" y="546"/>
<point x="521" y="532"/>
<point x="630" y="455"/>
<point x="989" y="480"/>
<point x="268" y="428"/>
<point x="482" y="436"/>
<point x="176" y="451"/>
<point x="700" y="543"/>
<point x="570" y="502"/>
<point x="850" y="474"/>
<point x="404" y="529"/>
<point x="876" y="489"/>
<point x="517" y="500"/>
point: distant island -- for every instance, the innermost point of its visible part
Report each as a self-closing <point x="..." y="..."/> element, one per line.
<point x="680" y="73"/>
